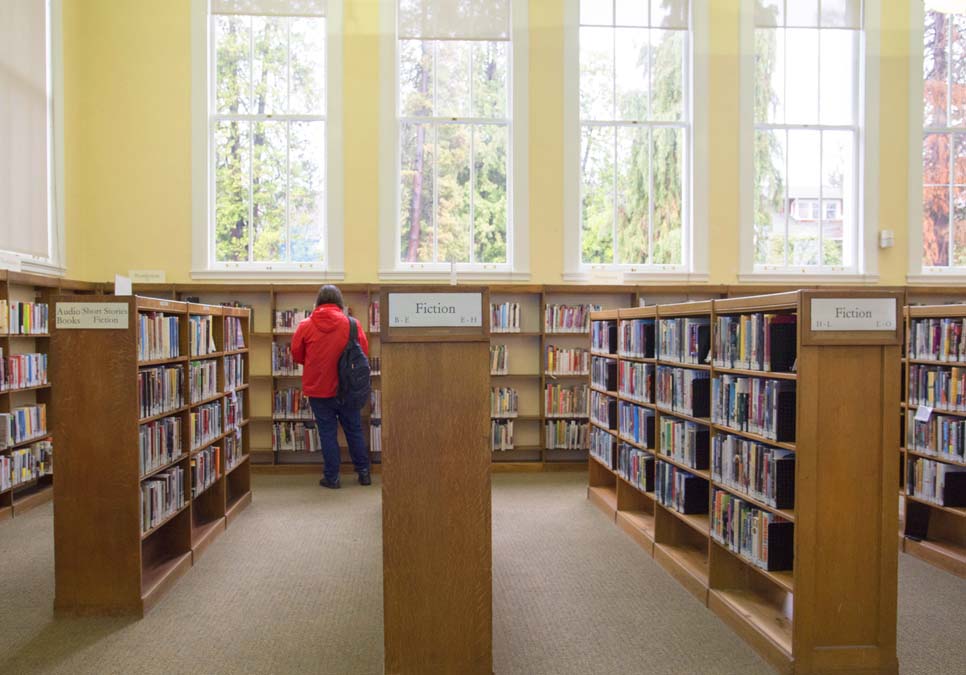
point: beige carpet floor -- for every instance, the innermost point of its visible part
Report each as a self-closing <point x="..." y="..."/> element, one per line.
<point x="295" y="586"/>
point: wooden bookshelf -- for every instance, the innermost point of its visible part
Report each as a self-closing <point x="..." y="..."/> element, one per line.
<point x="833" y="606"/>
<point x="930" y="530"/>
<point x="108" y="559"/>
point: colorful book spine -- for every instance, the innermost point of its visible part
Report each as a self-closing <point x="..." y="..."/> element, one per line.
<point x="940" y="436"/>
<point x="296" y="437"/>
<point x="505" y="317"/>
<point x="205" y="424"/>
<point x="602" y="446"/>
<point x="233" y="448"/>
<point x="499" y="360"/>
<point x="603" y="373"/>
<point x="158" y="336"/>
<point x="568" y="318"/>
<point x="603" y="337"/>
<point x="685" y="339"/>
<point x="283" y="364"/>
<point x="636" y="381"/>
<point x="636" y="338"/>
<point x="567" y="435"/>
<point x="755" y="469"/>
<point x="29" y="463"/>
<point x="561" y="361"/>
<point x="760" y="537"/>
<point x="205" y="469"/>
<point x="939" y="387"/>
<point x="636" y="467"/>
<point x="287" y="320"/>
<point x="940" y="339"/>
<point x="683" y="390"/>
<point x="24" y="318"/>
<point x="936" y="482"/>
<point x="755" y="405"/>
<point x="160" y="390"/>
<point x="201" y="335"/>
<point x="766" y="342"/>
<point x="202" y="380"/>
<point x="234" y="333"/>
<point x="636" y="424"/>
<point x="566" y="401"/>
<point x="160" y="443"/>
<point x="603" y="410"/>
<point x="234" y="372"/>
<point x="161" y="496"/>
<point x="501" y="435"/>
<point x="685" y="442"/>
<point x="504" y="402"/>
<point x="374" y="317"/>
<point x="288" y="403"/>
<point x="21" y="371"/>
<point x="679" y="490"/>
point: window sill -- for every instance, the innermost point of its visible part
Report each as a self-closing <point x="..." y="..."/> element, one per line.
<point x="259" y="275"/>
<point x="14" y="264"/>
<point x="814" y="277"/>
<point x="952" y="278"/>
<point x="446" y="276"/>
<point x="623" y="277"/>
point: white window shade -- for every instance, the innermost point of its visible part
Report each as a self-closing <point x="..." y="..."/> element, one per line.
<point x="454" y="19"/>
<point x="269" y="7"/>
<point x="808" y="13"/>
<point x="23" y="127"/>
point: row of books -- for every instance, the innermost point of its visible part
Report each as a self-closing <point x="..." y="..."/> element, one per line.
<point x="296" y="437"/>
<point x="679" y="490"/>
<point x="287" y="320"/>
<point x="683" y="390"/>
<point x="636" y="467"/>
<point x="504" y="402"/>
<point x="22" y="424"/>
<point x="374" y="316"/>
<point x="758" y="470"/>
<point x="760" y="537"/>
<point x="566" y="401"/>
<point x="561" y="361"/>
<point x="568" y="318"/>
<point x="499" y="360"/>
<point x="603" y="373"/>
<point x="938" y="387"/>
<point x="936" y="482"/>
<point x="602" y="446"/>
<point x="24" y="318"/>
<point x="938" y="339"/>
<point x="685" y="339"/>
<point x="757" y="405"/>
<point x="603" y="337"/>
<point x="291" y="402"/>
<point x="234" y="333"/>
<point x="234" y="372"/>
<point x="636" y="381"/>
<point x="205" y="424"/>
<point x="158" y="336"/>
<point x="505" y="317"/>
<point x="636" y="338"/>
<point x="567" y="435"/>
<point x="636" y="424"/>
<point x="375" y="365"/>
<point x="159" y="443"/>
<point x="20" y="371"/>
<point x="161" y="495"/>
<point x="234" y="450"/>
<point x="205" y="469"/>
<point x="201" y="335"/>
<point x="202" y="380"/>
<point x="375" y="436"/>
<point x="766" y="342"/>
<point x="234" y="408"/>
<point x="941" y="436"/>
<point x="501" y="435"/>
<point x="375" y="403"/>
<point x="685" y="442"/>
<point x="26" y="464"/>
<point x="160" y="390"/>
<point x="603" y="410"/>
<point x="283" y="363"/>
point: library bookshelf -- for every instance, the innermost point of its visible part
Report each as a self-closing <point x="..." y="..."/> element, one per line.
<point x="932" y="458"/>
<point x="154" y="460"/>
<point x="726" y="461"/>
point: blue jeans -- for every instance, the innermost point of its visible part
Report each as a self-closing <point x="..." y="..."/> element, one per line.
<point x="328" y="415"/>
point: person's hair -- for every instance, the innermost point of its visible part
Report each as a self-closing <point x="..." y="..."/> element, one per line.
<point x="329" y="295"/>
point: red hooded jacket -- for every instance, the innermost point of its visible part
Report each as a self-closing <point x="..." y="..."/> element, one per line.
<point x="317" y="344"/>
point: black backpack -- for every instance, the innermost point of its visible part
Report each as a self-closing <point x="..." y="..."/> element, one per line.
<point x="355" y="380"/>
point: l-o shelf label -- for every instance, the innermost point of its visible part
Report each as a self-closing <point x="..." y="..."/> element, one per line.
<point x="853" y="314"/>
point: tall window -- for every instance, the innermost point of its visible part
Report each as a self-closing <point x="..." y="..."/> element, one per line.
<point x="806" y="145"/>
<point x="267" y="132"/>
<point x="635" y="119"/>
<point x="455" y="131"/>
<point x="944" y="138"/>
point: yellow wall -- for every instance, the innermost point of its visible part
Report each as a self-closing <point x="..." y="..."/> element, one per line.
<point x="128" y="138"/>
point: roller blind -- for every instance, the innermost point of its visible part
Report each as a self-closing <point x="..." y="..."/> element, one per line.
<point x="454" y="19"/>
<point x="23" y="127"/>
<point x="269" y="7"/>
<point x="809" y="13"/>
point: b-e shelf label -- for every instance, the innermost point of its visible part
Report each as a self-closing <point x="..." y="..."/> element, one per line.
<point x="853" y="314"/>
<point x="429" y="310"/>
<point x="92" y="315"/>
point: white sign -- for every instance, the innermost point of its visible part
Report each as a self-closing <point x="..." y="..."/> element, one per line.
<point x="147" y="276"/>
<point x="923" y="413"/>
<point x="853" y="314"/>
<point x="421" y="310"/>
<point x="122" y="285"/>
<point x="92" y="315"/>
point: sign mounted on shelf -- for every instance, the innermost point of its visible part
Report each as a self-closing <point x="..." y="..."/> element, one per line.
<point x="853" y="314"/>
<point x="443" y="310"/>
<point x="92" y="315"/>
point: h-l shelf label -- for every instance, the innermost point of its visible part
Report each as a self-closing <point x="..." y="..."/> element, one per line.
<point x="422" y="310"/>
<point x="854" y="314"/>
<point x="92" y="315"/>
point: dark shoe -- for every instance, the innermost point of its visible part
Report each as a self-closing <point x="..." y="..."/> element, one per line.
<point x="365" y="478"/>
<point x="333" y="485"/>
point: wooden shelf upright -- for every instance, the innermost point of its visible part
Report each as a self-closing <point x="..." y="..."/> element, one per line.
<point x="826" y="600"/>
<point x="932" y="530"/>
<point x="110" y="560"/>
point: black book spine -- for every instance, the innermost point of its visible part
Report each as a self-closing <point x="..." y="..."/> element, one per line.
<point x="695" y="495"/>
<point x="784" y="346"/>
<point x="649" y="473"/>
<point x="612" y="337"/>
<point x="702" y="449"/>
<point x="649" y="430"/>
<point x="649" y="340"/>
<point x="612" y="376"/>
<point x="954" y="494"/>
<point x="781" y="547"/>
<point x="701" y="398"/>
<point x="785" y="483"/>
<point x="612" y="415"/>
<point x="785" y="417"/>
<point x="704" y="343"/>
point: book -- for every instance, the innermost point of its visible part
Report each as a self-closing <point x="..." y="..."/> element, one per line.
<point x="756" y="469"/>
<point x="201" y="335"/>
<point x="504" y="402"/>
<point x="568" y="318"/>
<point x="20" y="371"/>
<point x="567" y="435"/>
<point x="233" y="409"/>
<point x="603" y="374"/>
<point x="636" y="381"/>
<point x="234" y="372"/>
<point x="679" y="490"/>
<point x="375" y="436"/>
<point x="603" y="337"/>
<point x="683" y="390"/>
<point x="636" y="467"/>
<point x="936" y="482"/>
<point x="603" y="446"/>
<point x="24" y="318"/>
<point x="499" y="360"/>
<point x="603" y="410"/>
<point x="566" y="401"/>
<point x="941" y="436"/>
<point x="505" y="317"/>
<point x="290" y="402"/>
<point x="762" y="538"/>
<point x="501" y="434"/>
<point x="939" y="387"/>
<point x="28" y="463"/>
<point x="158" y="336"/>
<point x="234" y="333"/>
<point x="159" y="443"/>
<point x="374" y="317"/>
<point x="564" y="361"/>
<point x="295" y="437"/>
<point x="685" y="442"/>
<point x="766" y="342"/>
<point x="205" y="424"/>
<point x="287" y="320"/>
<point x="202" y="380"/>
<point x="233" y="449"/>
<point x="938" y="339"/>
<point x="636" y="338"/>
<point x="755" y="405"/>
<point x="161" y="496"/>
<point x="283" y="364"/>
<point x="636" y="424"/>
<point x="684" y="339"/>
<point x="205" y="469"/>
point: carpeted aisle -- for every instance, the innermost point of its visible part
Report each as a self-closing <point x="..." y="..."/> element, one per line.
<point x="295" y="586"/>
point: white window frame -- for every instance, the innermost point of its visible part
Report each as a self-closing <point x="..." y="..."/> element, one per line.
<point x="204" y="265"/>
<point x="866" y="267"/>
<point x="517" y="266"/>
<point x="919" y="273"/>
<point x="55" y="262"/>
<point x="695" y="263"/>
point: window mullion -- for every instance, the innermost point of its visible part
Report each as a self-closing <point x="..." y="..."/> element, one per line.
<point x="650" y="194"/>
<point x="472" y="250"/>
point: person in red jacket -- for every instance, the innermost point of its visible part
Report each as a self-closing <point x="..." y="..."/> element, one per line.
<point x="317" y="344"/>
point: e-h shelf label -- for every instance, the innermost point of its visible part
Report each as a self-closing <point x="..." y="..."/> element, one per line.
<point x="92" y="315"/>
<point x="421" y="310"/>
<point x="854" y="314"/>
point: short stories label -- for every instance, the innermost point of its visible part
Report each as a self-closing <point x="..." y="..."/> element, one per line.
<point x="854" y="314"/>
<point x="422" y="310"/>
<point x="92" y="315"/>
